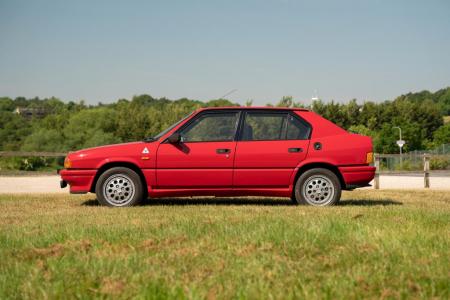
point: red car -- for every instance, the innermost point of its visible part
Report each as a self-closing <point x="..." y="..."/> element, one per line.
<point x="234" y="151"/>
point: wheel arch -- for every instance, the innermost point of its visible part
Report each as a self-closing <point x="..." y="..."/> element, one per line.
<point x="124" y="164"/>
<point x="315" y="165"/>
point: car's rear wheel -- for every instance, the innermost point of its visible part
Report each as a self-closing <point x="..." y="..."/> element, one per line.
<point x="317" y="187"/>
<point x="118" y="187"/>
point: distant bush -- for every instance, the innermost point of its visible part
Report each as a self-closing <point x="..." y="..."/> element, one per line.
<point x="31" y="163"/>
<point x="439" y="163"/>
<point x="408" y="165"/>
<point x="9" y="163"/>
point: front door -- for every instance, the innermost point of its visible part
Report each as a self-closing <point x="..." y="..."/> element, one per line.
<point x="271" y="145"/>
<point x="204" y="157"/>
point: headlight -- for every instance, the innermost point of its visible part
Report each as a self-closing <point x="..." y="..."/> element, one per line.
<point x="67" y="163"/>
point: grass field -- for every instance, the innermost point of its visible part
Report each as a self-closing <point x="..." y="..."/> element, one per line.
<point x="376" y="244"/>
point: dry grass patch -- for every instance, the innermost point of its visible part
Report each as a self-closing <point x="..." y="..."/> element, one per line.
<point x="375" y="244"/>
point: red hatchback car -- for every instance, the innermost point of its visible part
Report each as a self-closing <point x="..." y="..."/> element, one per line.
<point x="285" y="152"/>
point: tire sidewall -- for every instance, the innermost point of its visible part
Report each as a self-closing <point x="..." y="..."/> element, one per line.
<point x="99" y="191"/>
<point x="298" y="196"/>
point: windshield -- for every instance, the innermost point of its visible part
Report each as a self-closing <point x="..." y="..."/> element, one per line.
<point x="159" y="135"/>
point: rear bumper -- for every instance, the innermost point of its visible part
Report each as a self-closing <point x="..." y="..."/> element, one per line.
<point x="357" y="176"/>
<point x="80" y="181"/>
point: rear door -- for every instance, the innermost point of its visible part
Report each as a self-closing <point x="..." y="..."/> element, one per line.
<point x="204" y="157"/>
<point x="270" y="146"/>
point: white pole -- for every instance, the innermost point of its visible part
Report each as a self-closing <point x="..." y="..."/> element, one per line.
<point x="401" y="152"/>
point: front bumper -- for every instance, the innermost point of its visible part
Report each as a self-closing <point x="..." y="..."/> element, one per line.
<point x="80" y="181"/>
<point x="357" y="176"/>
<point x="63" y="184"/>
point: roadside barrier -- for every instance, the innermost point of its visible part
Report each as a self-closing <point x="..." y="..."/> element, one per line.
<point x="425" y="161"/>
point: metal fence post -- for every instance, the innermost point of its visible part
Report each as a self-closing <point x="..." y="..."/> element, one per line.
<point x="426" y="170"/>
<point x="377" y="172"/>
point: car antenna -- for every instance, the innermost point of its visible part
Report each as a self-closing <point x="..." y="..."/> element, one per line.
<point x="229" y="93"/>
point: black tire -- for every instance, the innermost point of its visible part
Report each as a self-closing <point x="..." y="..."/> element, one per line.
<point x="317" y="187"/>
<point x="119" y="186"/>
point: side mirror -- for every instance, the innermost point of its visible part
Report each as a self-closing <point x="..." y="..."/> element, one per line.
<point x="175" y="138"/>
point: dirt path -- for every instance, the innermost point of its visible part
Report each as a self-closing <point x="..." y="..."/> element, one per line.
<point x="50" y="184"/>
<point x="412" y="182"/>
<point x="30" y="184"/>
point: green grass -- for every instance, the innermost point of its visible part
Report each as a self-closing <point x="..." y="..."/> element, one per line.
<point x="376" y="244"/>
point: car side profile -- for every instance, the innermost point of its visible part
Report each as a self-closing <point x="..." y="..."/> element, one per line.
<point x="230" y="151"/>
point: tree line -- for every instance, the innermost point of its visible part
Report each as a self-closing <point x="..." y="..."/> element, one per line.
<point x="69" y="126"/>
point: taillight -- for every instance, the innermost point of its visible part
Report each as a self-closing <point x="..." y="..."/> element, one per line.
<point x="369" y="158"/>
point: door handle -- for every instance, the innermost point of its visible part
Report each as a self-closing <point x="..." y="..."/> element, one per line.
<point x="295" y="150"/>
<point x="223" y="151"/>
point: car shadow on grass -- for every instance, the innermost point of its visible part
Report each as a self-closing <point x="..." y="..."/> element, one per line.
<point x="245" y="201"/>
<point x="356" y="202"/>
<point x="207" y="201"/>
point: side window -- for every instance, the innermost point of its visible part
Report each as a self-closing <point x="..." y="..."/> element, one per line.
<point x="264" y="127"/>
<point x="296" y="130"/>
<point x="211" y="127"/>
<point x="273" y="126"/>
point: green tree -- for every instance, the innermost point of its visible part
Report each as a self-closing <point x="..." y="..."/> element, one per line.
<point x="74" y="125"/>
<point x="286" y="101"/>
<point x="351" y="114"/>
<point x="442" y="135"/>
<point x="6" y="104"/>
<point x="13" y="130"/>
<point x="361" y="129"/>
<point x="89" y="128"/>
<point x="43" y="139"/>
<point x="220" y="102"/>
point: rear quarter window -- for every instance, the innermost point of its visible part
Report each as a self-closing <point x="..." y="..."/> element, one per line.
<point x="297" y="130"/>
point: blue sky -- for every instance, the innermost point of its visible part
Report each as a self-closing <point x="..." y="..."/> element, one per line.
<point x="105" y="50"/>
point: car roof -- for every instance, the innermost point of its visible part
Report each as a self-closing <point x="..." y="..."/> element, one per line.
<point x="252" y="108"/>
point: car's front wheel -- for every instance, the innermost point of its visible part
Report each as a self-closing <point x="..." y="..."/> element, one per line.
<point x="119" y="186"/>
<point x="317" y="187"/>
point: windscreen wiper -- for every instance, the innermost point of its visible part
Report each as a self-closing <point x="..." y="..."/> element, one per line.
<point x="149" y="139"/>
